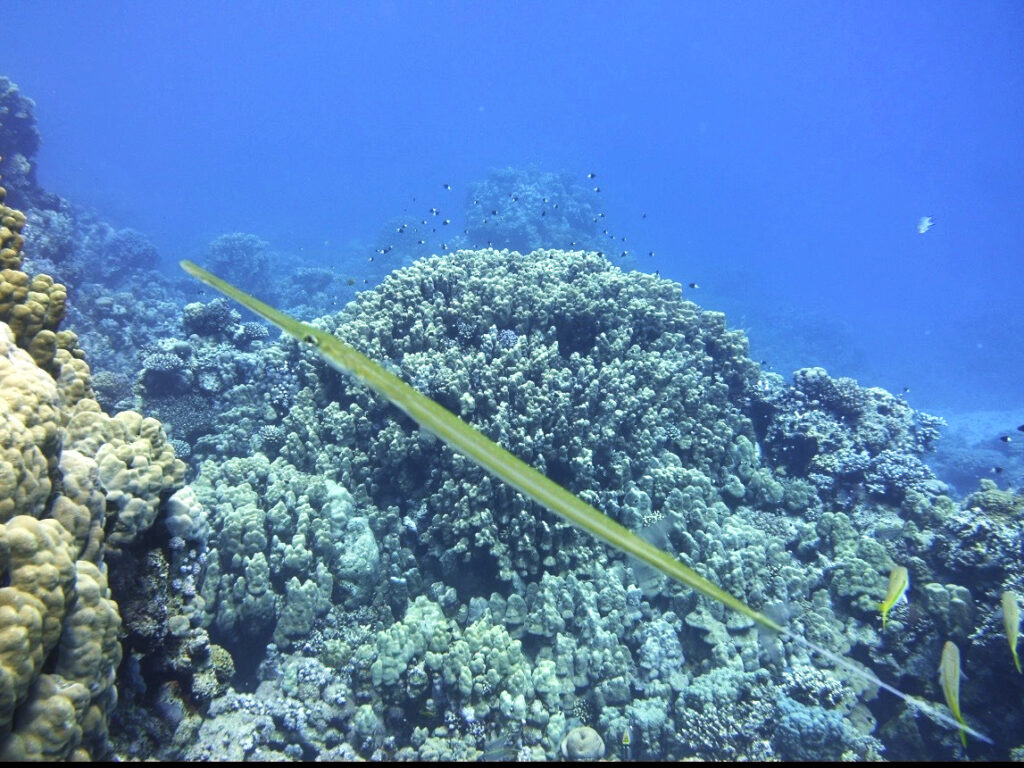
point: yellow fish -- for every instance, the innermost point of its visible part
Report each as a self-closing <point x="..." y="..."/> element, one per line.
<point x="1011" y="619"/>
<point x="899" y="583"/>
<point x="949" y="679"/>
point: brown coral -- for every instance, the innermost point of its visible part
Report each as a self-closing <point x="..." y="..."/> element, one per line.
<point x="35" y="562"/>
<point x="11" y="222"/>
<point x="67" y="472"/>
<point x="29" y="305"/>
<point x="30" y="431"/>
<point x="136" y="465"/>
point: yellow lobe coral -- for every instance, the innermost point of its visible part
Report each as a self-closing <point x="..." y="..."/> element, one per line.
<point x="11" y="222"/>
<point x="59" y="625"/>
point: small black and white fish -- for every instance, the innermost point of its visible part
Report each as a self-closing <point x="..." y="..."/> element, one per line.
<point x="1006" y="438"/>
<point x="447" y="186"/>
<point x="693" y="285"/>
<point x="591" y="175"/>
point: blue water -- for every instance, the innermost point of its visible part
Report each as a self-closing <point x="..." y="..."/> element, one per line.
<point x="783" y="153"/>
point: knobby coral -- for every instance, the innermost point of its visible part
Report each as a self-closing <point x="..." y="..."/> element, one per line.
<point x="68" y="472"/>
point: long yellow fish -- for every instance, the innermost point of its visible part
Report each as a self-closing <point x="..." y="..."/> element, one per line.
<point x="899" y="583"/>
<point x="1011" y="620"/>
<point x="473" y="444"/>
<point x="949" y="679"/>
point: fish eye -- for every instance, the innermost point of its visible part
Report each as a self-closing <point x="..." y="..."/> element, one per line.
<point x="309" y="338"/>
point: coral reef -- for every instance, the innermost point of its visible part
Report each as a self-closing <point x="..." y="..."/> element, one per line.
<point x="246" y="260"/>
<point x="526" y="209"/>
<point x="848" y="440"/>
<point x="217" y="385"/>
<point x="98" y="263"/>
<point x="286" y="546"/>
<point x="337" y="584"/>
<point x="564" y="339"/>
<point x="77" y="486"/>
<point x="19" y="138"/>
<point x="547" y="352"/>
